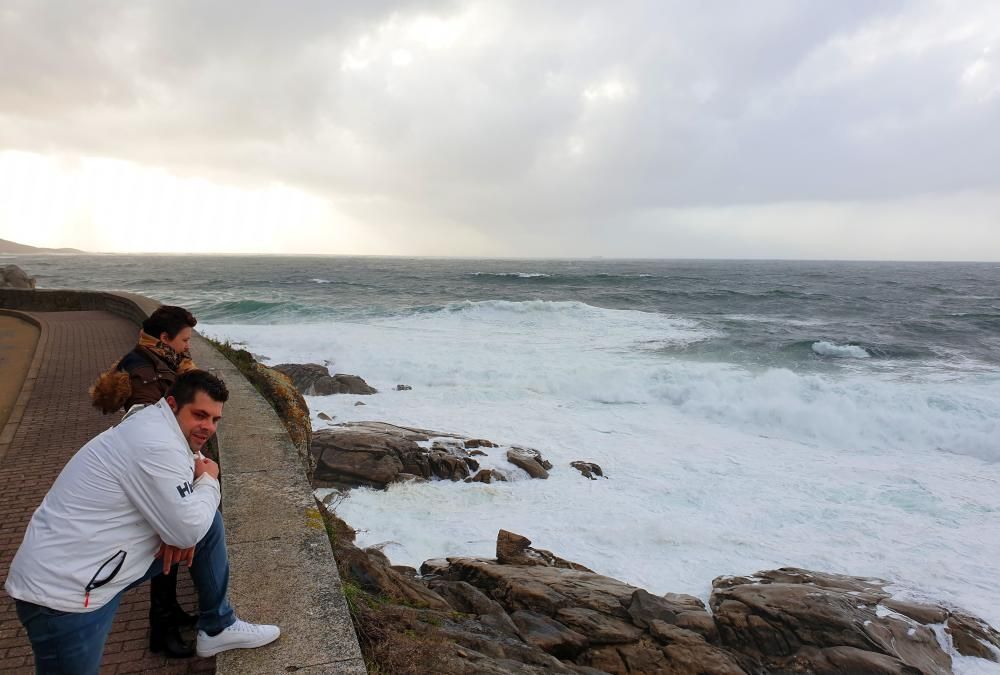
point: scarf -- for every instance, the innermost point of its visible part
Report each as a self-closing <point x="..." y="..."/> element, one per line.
<point x="178" y="362"/>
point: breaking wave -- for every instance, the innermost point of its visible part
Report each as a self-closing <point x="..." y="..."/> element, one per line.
<point x="832" y="350"/>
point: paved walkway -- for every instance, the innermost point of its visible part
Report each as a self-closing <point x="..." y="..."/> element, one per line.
<point x="57" y="420"/>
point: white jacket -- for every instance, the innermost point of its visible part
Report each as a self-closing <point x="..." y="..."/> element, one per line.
<point x="100" y="525"/>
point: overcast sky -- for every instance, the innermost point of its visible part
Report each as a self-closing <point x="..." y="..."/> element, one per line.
<point x="801" y="129"/>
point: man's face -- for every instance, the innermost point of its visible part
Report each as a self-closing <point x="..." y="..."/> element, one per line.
<point x="198" y="419"/>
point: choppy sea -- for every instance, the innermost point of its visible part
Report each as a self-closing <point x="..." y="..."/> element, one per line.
<point x="837" y="416"/>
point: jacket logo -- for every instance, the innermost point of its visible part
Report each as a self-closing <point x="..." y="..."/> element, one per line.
<point x="184" y="489"/>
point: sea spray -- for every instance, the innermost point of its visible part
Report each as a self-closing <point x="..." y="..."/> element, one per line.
<point x="713" y="468"/>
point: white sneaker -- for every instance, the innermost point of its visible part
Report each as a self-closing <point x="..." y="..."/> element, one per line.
<point x="241" y="635"/>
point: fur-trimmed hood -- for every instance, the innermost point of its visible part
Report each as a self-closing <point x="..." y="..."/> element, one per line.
<point x="111" y="390"/>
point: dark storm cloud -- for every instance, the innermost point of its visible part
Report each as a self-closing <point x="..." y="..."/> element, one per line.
<point x="519" y="117"/>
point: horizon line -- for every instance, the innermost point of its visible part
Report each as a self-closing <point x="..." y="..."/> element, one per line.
<point x="473" y="257"/>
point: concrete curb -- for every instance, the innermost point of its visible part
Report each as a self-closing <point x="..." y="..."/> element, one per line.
<point x="283" y="569"/>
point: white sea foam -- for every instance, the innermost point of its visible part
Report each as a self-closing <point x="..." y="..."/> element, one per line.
<point x="824" y="348"/>
<point x="519" y="275"/>
<point x="321" y="281"/>
<point x="714" y="468"/>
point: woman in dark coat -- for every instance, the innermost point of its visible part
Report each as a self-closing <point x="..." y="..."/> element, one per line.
<point x="140" y="378"/>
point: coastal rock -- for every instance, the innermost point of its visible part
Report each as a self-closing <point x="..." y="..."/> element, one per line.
<point x="467" y="598"/>
<point x="12" y="276"/>
<point x="376" y="454"/>
<point x="787" y="620"/>
<point x="805" y="621"/>
<point x="487" y="476"/>
<point x="529" y="460"/>
<point x="373" y="572"/>
<point x="598" y="627"/>
<point x="526" y="607"/>
<point x="323" y="416"/>
<point x="515" y="549"/>
<point x="548" y="634"/>
<point x="403" y="387"/>
<point x="683" y="611"/>
<point x="313" y="379"/>
<point x="588" y="469"/>
<point x="973" y="637"/>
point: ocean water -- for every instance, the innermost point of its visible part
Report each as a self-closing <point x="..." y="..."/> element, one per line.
<point x="837" y="416"/>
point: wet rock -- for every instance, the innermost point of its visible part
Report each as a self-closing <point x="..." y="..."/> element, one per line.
<point x="404" y="477"/>
<point x="487" y="476"/>
<point x="529" y="460"/>
<point x="357" y="403"/>
<point x="323" y="416"/>
<point x="778" y="621"/>
<point x="12" y="276"/>
<point x="434" y="567"/>
<point x="479" y="443"/>
<point x="313" y="379"/>
<point x="515" y="549"/>
<point x="973" y="637"/>
<point x="588" y="469"/>
<point x="779" y="617"/>
<point x="917" y="612"/>
<point x="375" y="454"/>
<point x="403" y="387"/>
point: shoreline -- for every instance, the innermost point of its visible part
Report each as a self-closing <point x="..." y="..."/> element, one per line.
<point x="525" y="592"/>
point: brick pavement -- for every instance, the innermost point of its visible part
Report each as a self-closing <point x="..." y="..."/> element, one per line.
<point x="57" y="421"/>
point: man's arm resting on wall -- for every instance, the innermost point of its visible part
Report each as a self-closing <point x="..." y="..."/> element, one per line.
<point x="160" y="486"/>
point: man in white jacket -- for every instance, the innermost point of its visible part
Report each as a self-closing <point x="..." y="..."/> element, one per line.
<point x="137" y="493"/>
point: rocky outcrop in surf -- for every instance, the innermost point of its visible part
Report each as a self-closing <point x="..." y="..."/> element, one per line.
<point x="589" y="469"/>
<point x="375" y="454"/>
<point x="313" y="379"/>
<point x="529" y="611"/>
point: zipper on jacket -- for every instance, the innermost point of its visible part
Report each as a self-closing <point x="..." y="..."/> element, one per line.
<point x="94" y="583"/>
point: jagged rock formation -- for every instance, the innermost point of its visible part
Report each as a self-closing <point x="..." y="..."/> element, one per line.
<point x="375" y="454"/>
<point x="588" y="469"/>
<point x="530" y="460"/>
<point x="528" y="611"/>
<point x="312" y="379"/>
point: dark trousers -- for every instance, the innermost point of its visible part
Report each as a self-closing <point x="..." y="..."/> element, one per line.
<point x="71" y="643"/>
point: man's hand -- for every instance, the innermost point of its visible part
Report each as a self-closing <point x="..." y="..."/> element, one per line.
<point x="205" y="465"/>
<point x="172" y="555"/>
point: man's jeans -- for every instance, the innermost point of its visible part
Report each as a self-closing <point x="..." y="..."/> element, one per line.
<point x="71" y="643"/>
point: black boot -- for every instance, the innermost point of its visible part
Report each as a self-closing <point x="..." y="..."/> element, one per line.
<point x="163" y="592"/>
<point x="164" y="632"/>
<point x="166" y="637"/>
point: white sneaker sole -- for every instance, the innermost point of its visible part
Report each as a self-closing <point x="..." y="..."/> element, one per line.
<point x="259" y="642"/>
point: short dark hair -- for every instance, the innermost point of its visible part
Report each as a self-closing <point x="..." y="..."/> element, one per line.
<point x="170" y="320"/>
<point x="188" y="384"/>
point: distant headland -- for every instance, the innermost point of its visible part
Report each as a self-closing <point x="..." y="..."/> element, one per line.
<point x="13" y="247"/>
